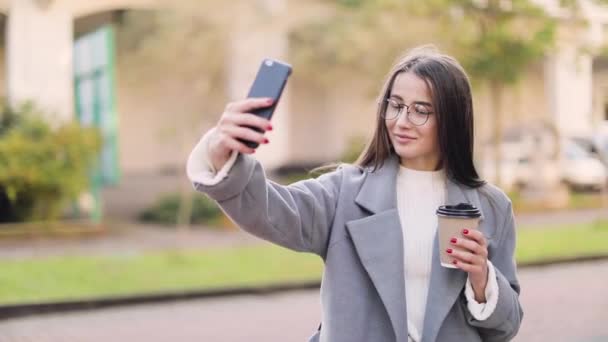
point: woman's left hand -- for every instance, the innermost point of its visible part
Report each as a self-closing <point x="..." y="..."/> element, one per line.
<point x="473" y="259"/>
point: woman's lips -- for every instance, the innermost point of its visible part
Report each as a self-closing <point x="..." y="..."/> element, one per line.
<point x="404" y="138"/>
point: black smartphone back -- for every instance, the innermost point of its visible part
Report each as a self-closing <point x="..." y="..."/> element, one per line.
<point x="269" y="82"/>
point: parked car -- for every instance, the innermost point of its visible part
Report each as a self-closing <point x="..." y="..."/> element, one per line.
<point x="596" y="144"/>
<point x="577" y="167"/>
<point x="580" y="169"/>
<point x="514" y="166"/>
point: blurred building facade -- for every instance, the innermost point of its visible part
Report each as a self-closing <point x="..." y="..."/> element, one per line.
<point x="569" y="88"/>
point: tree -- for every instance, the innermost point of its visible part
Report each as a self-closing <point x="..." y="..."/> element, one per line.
<point x="179" y="49"/>
<point x="356" y="36"/>
<point x="496" y="41"/>
<point x="43" y="167"/>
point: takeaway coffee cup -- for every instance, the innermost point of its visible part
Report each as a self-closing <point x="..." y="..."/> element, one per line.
<point x="452" y="220"/>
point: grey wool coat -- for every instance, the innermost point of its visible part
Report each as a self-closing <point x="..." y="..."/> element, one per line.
<point x="349" y="218"/>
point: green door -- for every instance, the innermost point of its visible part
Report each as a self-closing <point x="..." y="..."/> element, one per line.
<point x="95" y="103"/>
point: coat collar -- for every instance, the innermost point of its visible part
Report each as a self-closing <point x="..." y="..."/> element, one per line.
<point x="378" y="192"/>
<point x="378" y="242"/>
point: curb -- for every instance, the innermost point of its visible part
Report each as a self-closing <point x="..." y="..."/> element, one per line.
<point x="35" y="309"/>
<point x="23" y="310"/>
<point x="552" y="262"/>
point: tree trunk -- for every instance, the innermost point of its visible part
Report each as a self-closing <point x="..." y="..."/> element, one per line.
<point x="186" y="197"/>
<point x="185" y="208"/>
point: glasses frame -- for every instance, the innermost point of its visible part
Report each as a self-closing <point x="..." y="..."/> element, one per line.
<point x="401" y="106"/>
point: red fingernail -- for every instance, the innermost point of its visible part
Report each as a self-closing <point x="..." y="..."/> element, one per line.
<point x="449" y="250"/>
<point x="269" y="101"/>
<point x="455" y="262"/>
<point x="465" y="231"/>
<point x="453" y="240"/>
<point x="266" y="141"/>
<point x="270" y="127"/>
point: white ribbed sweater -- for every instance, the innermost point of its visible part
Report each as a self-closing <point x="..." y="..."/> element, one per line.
<point x="419" y="193"/>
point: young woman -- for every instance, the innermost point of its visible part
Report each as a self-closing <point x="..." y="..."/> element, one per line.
<point x="374" y="223"/>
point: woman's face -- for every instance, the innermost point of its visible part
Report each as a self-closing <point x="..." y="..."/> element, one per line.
<point x="417" y="146"/>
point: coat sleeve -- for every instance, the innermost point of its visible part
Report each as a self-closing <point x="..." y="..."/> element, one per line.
<point x="298" y="216"/>
<point x="504" y="322"/>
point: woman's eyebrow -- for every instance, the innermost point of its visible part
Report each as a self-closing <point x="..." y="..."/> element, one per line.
<point x="398" y="97"/>
<point x="423" y="103"/>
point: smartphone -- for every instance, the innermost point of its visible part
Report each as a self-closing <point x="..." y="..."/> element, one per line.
<point x="269" y="82"/>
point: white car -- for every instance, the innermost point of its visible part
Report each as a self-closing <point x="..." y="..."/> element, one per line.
<point x="596" y="145"/>
<point x="514" y="168"/>
<point x="577" y="168"/>
<point x="580" y="169"/>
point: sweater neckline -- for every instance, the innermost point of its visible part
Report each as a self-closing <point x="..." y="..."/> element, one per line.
<point x="418" y="175"/>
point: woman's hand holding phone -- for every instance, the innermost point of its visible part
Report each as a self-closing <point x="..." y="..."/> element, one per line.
<point x="231" y="128"/>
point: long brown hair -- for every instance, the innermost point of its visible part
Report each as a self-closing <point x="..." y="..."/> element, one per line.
<point x="453" y="105"/>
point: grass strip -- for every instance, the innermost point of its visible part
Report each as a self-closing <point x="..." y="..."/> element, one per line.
<point x="81" y="277"/>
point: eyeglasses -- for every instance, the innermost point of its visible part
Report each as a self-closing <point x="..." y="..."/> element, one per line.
<point x="418" y="116"/>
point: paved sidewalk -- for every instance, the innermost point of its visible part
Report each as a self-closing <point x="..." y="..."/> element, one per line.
<point x="126" y="239"/>
<point x="562" y="217"/>
<point x="562" y="303"/>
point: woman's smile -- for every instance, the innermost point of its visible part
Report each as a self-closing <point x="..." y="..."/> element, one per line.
<point x="403" y="138"/>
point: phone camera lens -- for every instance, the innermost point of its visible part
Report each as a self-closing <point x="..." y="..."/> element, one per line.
<point x="268" y="63"/>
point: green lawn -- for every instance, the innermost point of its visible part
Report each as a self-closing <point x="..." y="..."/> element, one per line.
<point x="567" y="241"/>
<point x="81" y="277"/>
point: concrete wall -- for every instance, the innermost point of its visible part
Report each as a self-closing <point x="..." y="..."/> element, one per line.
<point x="39" y="41"/>
<point x="39" y="52"/>
<point x="161" y="119"/>
<point x="522" y="102"/>
<point x="156" y="130"/>
<point x="600" y="91"/>
<point x="335" y="114"/>
<point x="325" y="119"/>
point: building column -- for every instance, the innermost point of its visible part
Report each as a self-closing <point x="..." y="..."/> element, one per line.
<point x="260" y="31"/>
<point x="569" y="86"/>
<point x="39" y="57"/>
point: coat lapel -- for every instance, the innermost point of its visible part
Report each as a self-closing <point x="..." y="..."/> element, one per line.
<point x="445" y="284"/>
<point x="379" y="244"/>
<point x="378" y="241"/>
